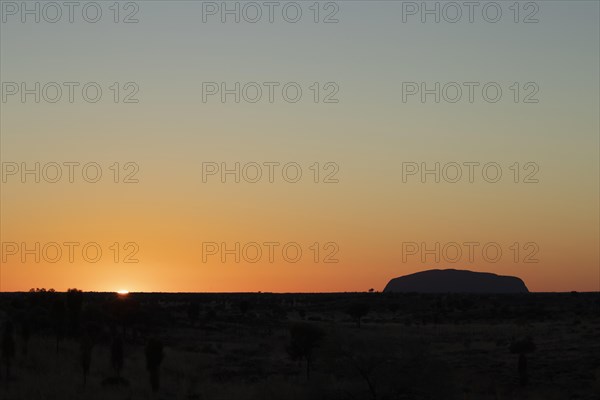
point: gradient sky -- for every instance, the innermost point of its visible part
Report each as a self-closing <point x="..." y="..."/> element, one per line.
<point x="369" y="134"/>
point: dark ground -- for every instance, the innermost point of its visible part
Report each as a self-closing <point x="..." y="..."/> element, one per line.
<point x="256" y="346"/>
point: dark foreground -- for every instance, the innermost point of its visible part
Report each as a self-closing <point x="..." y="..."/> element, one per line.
<point x="300" y="346"/>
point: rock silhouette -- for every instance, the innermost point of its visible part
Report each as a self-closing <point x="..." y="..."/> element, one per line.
<point x="456" y="281"/>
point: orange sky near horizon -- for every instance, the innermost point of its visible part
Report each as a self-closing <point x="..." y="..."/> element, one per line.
<point x="344" y="188"/>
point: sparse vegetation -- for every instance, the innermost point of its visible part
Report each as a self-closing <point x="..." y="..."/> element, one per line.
<point x="116" y="355"/>
<point x="522" y="347"/>
<point x="154" y="357"/>
<point x="86" y="356"/>
<point x="304" y="339"/>
<point x="8" y="347"/>
<point x="358" y="311"/>
<point x="410" y="346"/>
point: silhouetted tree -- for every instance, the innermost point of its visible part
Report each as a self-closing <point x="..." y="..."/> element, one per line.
<point x="74" y="302"/>
<point x="304" y="338"/>
<point x="371" y="362"/>
<point x="358" y="311"/>
<point x="8" y="347"/>
<point x="123" y="311"/>
<point x="58" y="319"/>
<point x="116" y="354"/>
<point x="25" y="334"/>
<point x="85" y="348"/>
<point x="154" y="357"/>
<point x="522" y="347"/>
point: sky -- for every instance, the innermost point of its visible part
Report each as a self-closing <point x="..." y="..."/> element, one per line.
<point x="209" y="186"/>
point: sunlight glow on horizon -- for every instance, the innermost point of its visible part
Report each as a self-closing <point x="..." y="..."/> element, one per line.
<point x="143" y="226"/>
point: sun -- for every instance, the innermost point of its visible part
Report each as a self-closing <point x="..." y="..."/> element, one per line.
<point x="122" y="292"/>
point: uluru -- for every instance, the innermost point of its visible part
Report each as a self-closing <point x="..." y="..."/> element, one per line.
<point x="455" y="281"/>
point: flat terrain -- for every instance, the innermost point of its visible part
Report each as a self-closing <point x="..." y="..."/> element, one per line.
<point x="256" y="346"/>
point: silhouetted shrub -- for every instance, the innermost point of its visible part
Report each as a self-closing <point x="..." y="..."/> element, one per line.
<point x="304" y="338"/>
<point x="8" y="347"/>
<point x="116" y="355"/>
<point x="522" y="347"/>
<point x="357" y="311"/>
<point x="25" y="334"/>
<point x="58" y="319"/>
<point x="154" y="357"/>
<point x="244" y="307"/>
<point x="74" y="303"/>
<point x="302" y="313"/>
<point x="86" y="346"/>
